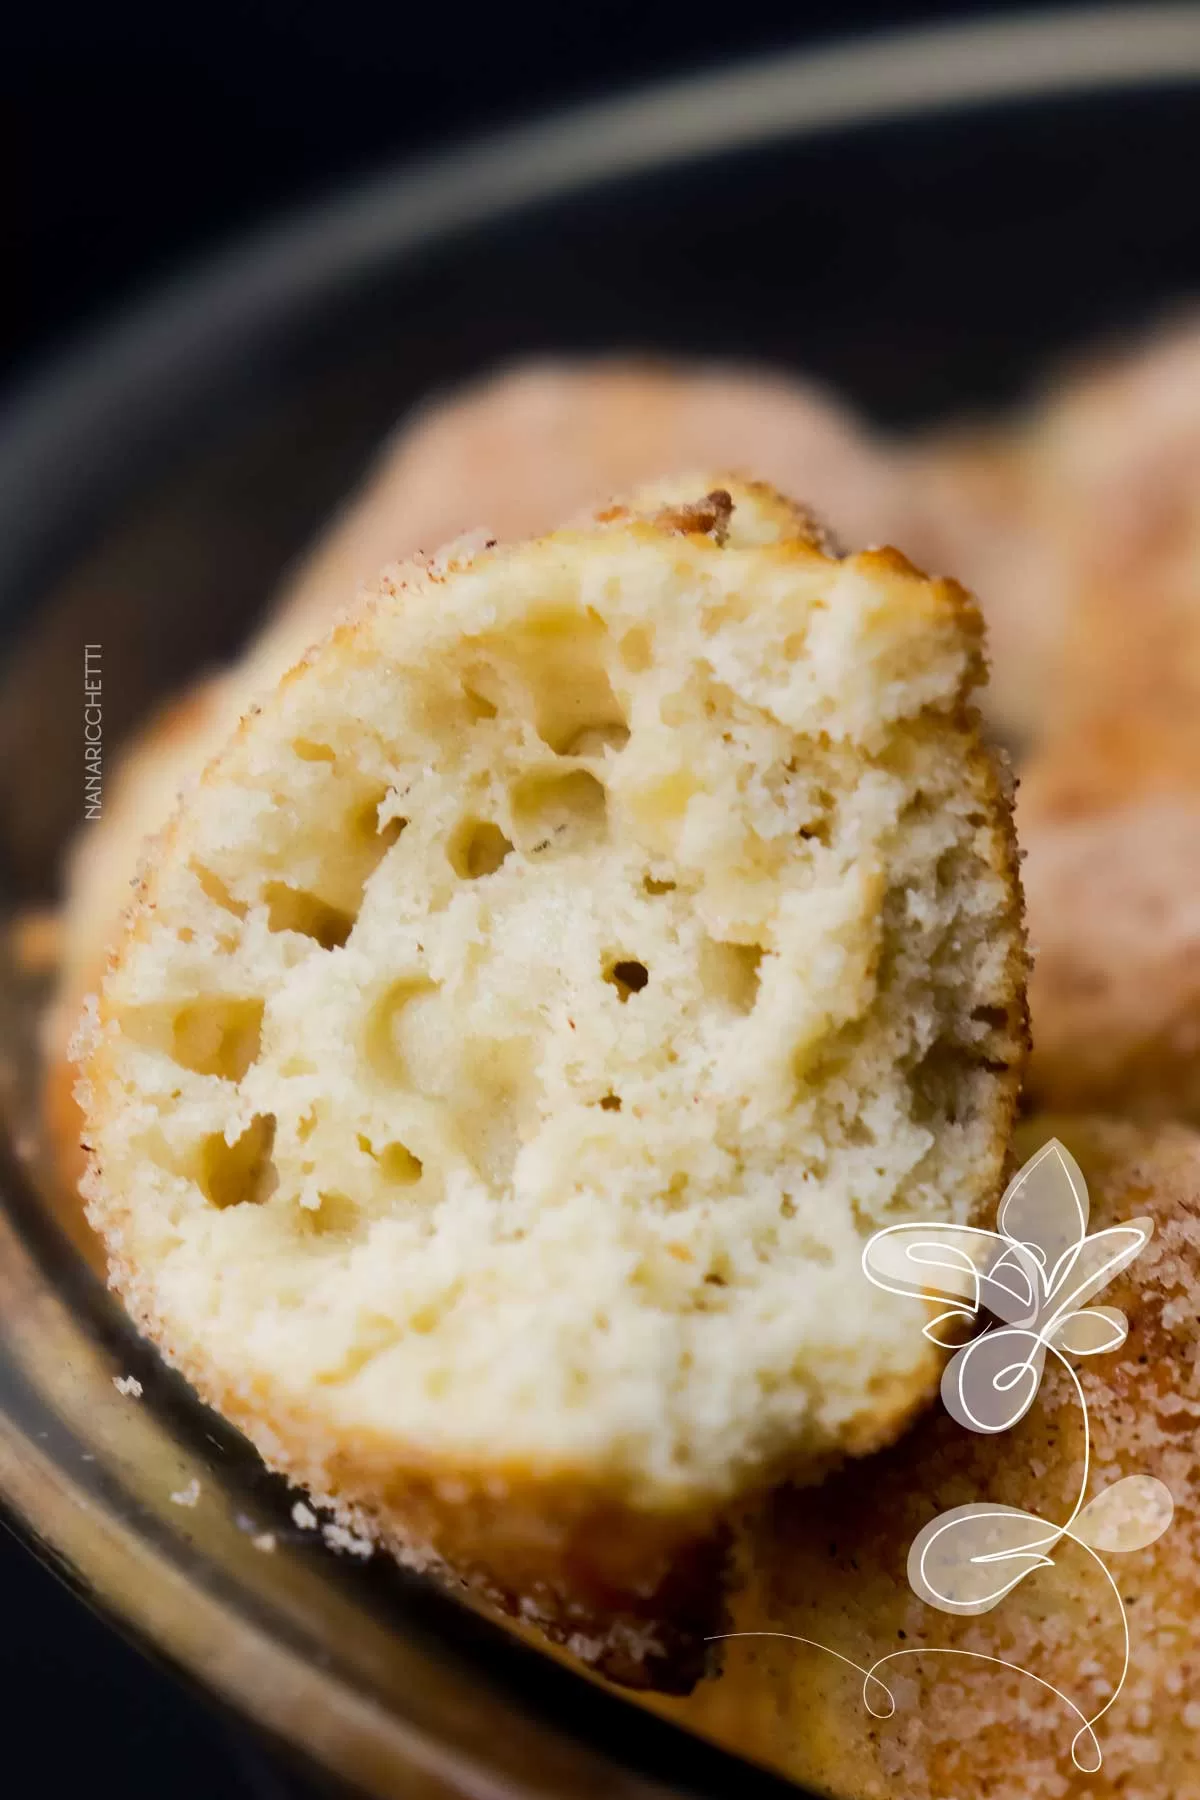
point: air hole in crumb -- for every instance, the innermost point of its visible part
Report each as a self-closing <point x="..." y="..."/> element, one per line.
<point x="364" y="822"/>
<point x="477" y="847"/>
<point x="306" y="1125"/>
<point x="478" y="705"/>
<point x="637" y="650"/>
<point x="396" y="1161"/>
<point x="594" y="740"/>
<point x="291" y="909"/>
<point x="994" y="1016"/>
<point x="947" y="868"/>
<point x="559" y="811"/>
<point x="558" y="656"/>
<point x="787" y="1207"/>
<point x="398" y="1164"/>
<point x="627" y="976"/>
<point x="216" y="890"/>
<point x="217" y="1037"/>
<point x="307" y="751"/>
<point x="936" y="1084"/>
<point x="393" y="1030"/>
<point x="611" y="1103"/>
<point x="860" y="1134"/>
<point x="819" y="827"/>
<point x="652" y="886"/>
<point x="579" y="715"/>
<point x="241" y="1173"/>
<point x="730" y="972"/>
<point x="337" y="1215"/>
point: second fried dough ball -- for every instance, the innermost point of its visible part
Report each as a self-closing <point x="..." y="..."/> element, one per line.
<point x="830" y="1564"/>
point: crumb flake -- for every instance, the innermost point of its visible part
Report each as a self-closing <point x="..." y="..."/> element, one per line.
<point x="304" y="1517"/>
<point x="187" y="1496"/>
<point x="265" y="1541"/>
<point x="129" y="1385"/>
<point x="338" y="1538"/>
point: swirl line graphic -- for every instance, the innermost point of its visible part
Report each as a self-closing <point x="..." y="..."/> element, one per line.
<point x="1035" y="1276"/>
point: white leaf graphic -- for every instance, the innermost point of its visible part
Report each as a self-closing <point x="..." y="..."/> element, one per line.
<point x="1090" y="1332"/>
<point x="951" y="1328"/>
<point x="1012" y="1286"/>
<point x="1087" y="1268"/>
<point x="1046" y="1203"/>
<point x="967" y="1559"/>
<point x="991" y="1382"/>
<point x="930" y="1261"/>
<point x="1128" y="1515"/>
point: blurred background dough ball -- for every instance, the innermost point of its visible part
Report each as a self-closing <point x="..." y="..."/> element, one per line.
<point x="1109" y="821"/>
<point x="974" y="511"/>
<point x="1076" y="521"/>
<point x="1114" y="911"/>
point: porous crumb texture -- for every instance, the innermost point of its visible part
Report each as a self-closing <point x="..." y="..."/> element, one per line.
<point x="516" y="453"/>
<point x="537" y="1004"/>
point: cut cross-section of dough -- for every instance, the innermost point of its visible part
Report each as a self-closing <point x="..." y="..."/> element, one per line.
<point x="524" y="1023"/>
<point x="512" y="456"/>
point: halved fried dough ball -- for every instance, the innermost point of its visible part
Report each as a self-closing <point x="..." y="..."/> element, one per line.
<point x="527" y="1017"/>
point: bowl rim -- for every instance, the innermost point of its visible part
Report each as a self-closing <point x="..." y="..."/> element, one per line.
<point x="184" y="347"/>
<point x="189" y="339"/>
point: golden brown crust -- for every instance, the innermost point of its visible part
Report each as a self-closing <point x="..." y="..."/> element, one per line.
<point x="830" y="1564"/>
<point x="103" y="866"/>
<point x="635" y="1598"/>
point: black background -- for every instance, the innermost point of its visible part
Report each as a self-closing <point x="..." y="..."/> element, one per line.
<point x="133" y="138"/>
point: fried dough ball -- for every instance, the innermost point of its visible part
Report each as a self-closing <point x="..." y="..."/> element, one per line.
<point x="1077" y="524"/>
<point x="1109" y="818"/>
<point x="526" y="1018"/>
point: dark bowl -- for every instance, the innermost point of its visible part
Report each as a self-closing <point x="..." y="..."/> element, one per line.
<point x="925" y="221"/>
